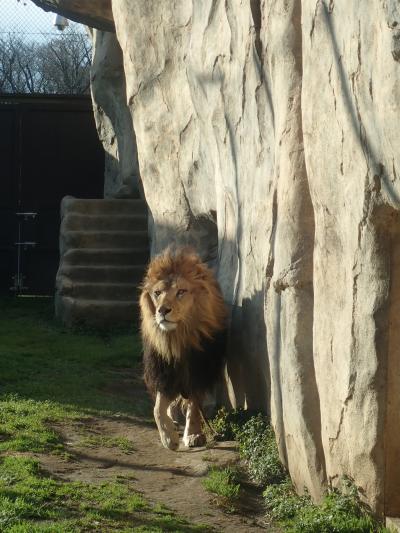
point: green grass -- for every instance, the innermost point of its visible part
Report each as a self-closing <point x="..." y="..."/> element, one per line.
<point x="256" y="441"/>
<point x="103" y="441"/>
<point x="48" y="376"/>
<point x="341" y="511"/>
<point x="31" y="502"/>
<point x="224" y="484"/>
<point x="24" y="425"/>
<point x="36" y="355"/>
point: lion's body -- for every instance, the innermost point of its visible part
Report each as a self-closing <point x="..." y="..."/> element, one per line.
<point x="191" y="376"/>
<point x="183" y="321"/>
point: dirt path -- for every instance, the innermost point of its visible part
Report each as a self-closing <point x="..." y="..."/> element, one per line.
<point x="162" y="476"/>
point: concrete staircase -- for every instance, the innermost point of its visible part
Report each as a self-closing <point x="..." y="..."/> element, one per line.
<point x="103" y="252"/>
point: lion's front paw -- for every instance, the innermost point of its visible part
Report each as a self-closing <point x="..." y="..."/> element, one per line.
<point x="170" y="440"/>
<point x="193" y="440"/>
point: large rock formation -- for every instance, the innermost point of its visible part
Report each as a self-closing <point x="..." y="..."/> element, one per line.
<point x="267" y="135"/>
<point x="113" y="118"/>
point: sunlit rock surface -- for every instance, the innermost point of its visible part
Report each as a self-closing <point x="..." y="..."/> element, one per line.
<point x="268" y="136"/>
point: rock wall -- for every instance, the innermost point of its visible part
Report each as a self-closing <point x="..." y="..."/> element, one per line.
<point x="267" y="135"/>
<point x="351" y="110"/>
<point x="113" y="118"/>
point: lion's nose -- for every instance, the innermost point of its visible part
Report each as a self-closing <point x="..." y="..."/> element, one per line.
<point x="164" y="310"/>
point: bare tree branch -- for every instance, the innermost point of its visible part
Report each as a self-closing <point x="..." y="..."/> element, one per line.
<point x="58" y="66"/>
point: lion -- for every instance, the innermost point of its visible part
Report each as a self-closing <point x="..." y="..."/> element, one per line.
<point x="183" y="327"/>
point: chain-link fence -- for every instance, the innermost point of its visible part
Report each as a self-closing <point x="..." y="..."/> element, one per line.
<point x="41" y="54"/>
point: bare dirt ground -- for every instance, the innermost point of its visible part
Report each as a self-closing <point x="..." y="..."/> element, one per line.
<point x="162" y="476"/>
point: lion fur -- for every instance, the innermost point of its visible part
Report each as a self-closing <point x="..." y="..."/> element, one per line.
<point x="187" y="361"/>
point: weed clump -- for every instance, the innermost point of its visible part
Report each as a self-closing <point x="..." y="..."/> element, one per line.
<point x="227" y="424"/>
<point x="258" y="448"/>
<point x="341" y="510"/>
<point x="224" y="484"/>
<point x="256" y="439"/>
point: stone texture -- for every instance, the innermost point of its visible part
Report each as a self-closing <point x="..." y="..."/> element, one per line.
<point x="352" y="156"/>
<point x="113" y="118"/>
<point x="215" y="93"/>
<point x="103" y="253"/>
<point x="393" y="523"/>
<point x="267" y="136"/>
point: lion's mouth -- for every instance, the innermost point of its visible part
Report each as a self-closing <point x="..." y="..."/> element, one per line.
<point x="166" y="325"/>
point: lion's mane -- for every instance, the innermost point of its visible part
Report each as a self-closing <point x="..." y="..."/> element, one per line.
<point x="189" y="359"/>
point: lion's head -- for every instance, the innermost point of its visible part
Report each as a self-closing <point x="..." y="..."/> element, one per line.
<point x="180" y="303"/>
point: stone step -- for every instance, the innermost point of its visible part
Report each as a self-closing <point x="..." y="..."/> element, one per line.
<point x="97" y="291"/>
<point x="96" y="313"/>
<point x="104" y="247"/>
<point x="102" y="207"/>
<point x="112" y="222"/>
<point x="393" y="523"/>
<point x="106" y="256"/>
<point x="102" y="239"/>
<point x="102" y="273"/>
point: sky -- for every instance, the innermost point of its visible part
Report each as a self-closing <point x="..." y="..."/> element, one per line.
<point x="25" y="17"/>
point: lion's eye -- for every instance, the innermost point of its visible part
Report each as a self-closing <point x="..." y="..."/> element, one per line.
<point x="157" y="293"/>
<point x="181" y="292"/>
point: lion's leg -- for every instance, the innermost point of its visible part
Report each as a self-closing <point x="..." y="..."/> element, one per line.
<point x="166" y="428"/>
<point x="174" y="411"/>
<point x="193" y="434"/>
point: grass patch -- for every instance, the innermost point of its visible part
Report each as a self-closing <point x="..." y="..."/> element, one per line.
<point x="256" y="439"/>
<point x="224" y="484"/>
<point x="49" y="374"/>
<point x="103" y="441"/>
<point x="23" y="425"/>
<point x="341" y="511"/>
<point x="31" y="502"/>
<point x="258" y="448"/>
<point x="37" y="355"/>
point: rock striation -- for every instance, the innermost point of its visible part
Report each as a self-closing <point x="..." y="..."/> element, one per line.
<point x="267" y="135"/>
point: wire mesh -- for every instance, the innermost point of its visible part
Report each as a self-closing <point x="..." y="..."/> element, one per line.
<point x="23" y="17"/>
<point x="36" y="57"/>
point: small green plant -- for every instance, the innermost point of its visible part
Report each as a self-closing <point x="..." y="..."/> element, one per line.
<point x="341" y="511"/>
<point x="104" y="441"/>
<point x="257" y="446"/>
<point x="282" y="502"/>
<point x="224" y="483"/>
<point x="226" y="424"/>
<point x="256" y="439"/>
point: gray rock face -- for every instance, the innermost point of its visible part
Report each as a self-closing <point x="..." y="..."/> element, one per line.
<point x="267" y="136"/>
<point x="113" y="118"/>
<point x="351" y="90"/>
<point x="215" y="94"/>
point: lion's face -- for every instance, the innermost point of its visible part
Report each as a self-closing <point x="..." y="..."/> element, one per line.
<point x="173" y="301"/>
<point x="180" y="303"/>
